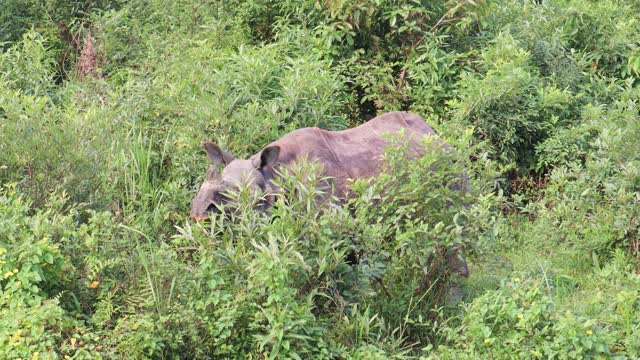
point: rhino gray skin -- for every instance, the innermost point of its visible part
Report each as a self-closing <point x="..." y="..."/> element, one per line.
<point x="342" y="155"/>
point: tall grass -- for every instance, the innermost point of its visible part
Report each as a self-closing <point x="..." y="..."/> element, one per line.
<point x="538" y="99"/>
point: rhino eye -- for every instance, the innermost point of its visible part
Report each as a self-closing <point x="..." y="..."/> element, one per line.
<point x="212" y="208"/>
<point x="219" y="197"/>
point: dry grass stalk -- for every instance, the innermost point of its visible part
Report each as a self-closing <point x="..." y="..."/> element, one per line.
<point x="87" y="65"/>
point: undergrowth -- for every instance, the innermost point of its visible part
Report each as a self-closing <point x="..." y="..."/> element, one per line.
<point x="539" y="100"/>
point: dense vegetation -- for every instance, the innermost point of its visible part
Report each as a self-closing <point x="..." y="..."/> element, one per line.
<point x="104" y="107"/>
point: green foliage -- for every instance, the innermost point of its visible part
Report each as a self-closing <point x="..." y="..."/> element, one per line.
<point x="18" y="17"/>
<point x="28" y="66"/>
<point x="519" y="321"/>
<point x="36" y="285"/>
<point x="598" y="32"/>
<point x="538" y="99"/>
<point x="510" y="105"/>
<point x="565" y="147"/>
<point x="593" y="203"/>
<point x="387" y="49"/>
<point x="46" y="146"/>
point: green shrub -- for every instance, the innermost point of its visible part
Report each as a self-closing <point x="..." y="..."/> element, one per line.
<point x="599" y="33"/>
<point x="98" y="258"/>
<point x="510" y="106"/>
<point x="37" y="285"/>
<point x="565" y="147"/>
<point x="18" y="17"/>
<point x="518" y="320"/>
<point x="593" y="205"/>
<point x="47" y="147"/>
<point x="28" y="66"/>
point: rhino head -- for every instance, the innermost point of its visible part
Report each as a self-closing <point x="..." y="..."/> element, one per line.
<point x="235" y="173"/>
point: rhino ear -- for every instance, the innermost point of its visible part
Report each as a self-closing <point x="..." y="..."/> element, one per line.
<point x="217" y="154"/>
<point x="269" y="156"/>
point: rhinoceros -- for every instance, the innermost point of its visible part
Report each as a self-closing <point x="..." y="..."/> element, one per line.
<point x="343" y="156"/>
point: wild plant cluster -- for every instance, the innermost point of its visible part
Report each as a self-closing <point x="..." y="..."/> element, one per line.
<point x="104" y="107"/>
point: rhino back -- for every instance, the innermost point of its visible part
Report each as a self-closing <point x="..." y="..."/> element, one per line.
<point x="349" y="154"/>
<point x="360" y="149"/>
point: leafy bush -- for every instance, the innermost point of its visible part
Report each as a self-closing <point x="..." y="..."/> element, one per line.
<point x="37" y="285"/>
<point x="593" y="205"/>
<point x="28" y="66"/>
<point x="565" y="147"/>
<point x="98" y="258"/>
<point x="598" y="31"/>
<point x="510" y="105"/>
<point x="518" y="320"/>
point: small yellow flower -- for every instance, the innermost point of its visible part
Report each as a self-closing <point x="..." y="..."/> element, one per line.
<point x="73" y="341"/>
<point x="589" y="332"/>
<point x="520" y="316"/>
<point x="15" y="271"/>
<point x="516" y="279"/>
<point x="35" y="355"/>
<point x="487" y="341"/>
<point x="8" y="274"/>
